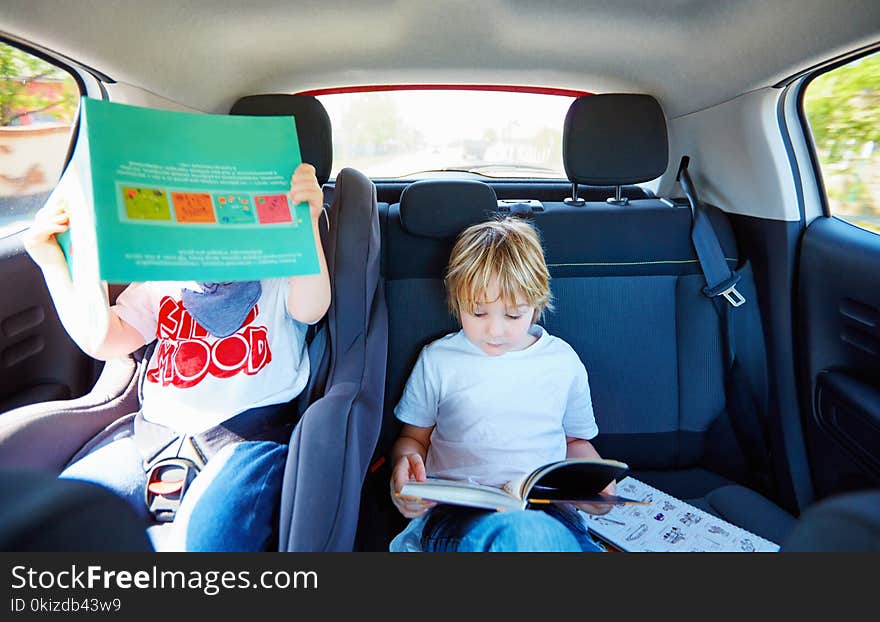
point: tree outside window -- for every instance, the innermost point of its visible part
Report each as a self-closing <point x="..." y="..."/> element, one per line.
<point x="843" y="108"/>
<point x="37" y="106"/>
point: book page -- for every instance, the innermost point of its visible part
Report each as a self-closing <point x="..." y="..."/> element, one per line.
<point x="462" y="493"/>
<point x="669" y="525"/>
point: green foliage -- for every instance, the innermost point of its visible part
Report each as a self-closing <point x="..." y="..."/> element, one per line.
<point x="843" y="107"/>
<point x="23" y="87"/>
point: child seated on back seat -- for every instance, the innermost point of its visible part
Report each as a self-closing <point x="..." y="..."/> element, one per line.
<point x="227" y="353"/>
<point x="493" y="401"/>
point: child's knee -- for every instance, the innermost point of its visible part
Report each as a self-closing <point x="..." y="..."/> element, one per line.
<point x="234" y="506"/>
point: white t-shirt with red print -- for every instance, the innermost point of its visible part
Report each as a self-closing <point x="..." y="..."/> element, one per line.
<point x="196" y="380"/>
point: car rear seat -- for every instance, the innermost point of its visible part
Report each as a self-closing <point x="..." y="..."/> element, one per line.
<point x="627" y="288"/>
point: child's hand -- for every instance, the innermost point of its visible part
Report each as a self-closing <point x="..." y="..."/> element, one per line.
<point x="409" y="467"/>
<point x="599" y="508"/>
<point x="304" y="188"/>
<point x="39" y="240"/>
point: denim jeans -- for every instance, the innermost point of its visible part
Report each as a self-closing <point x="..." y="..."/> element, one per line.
<point x="557" y="528"/>
<point x="232" y="505"/>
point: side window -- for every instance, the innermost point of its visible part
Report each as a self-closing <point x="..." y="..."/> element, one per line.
<point x="37" y="106"/>
<point x="843" y="110"/>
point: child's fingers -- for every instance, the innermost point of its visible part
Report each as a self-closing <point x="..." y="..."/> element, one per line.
<point x="304" y="170"/>
<point x="50" y="212"/>
<point x="40" y="234"/>
<point x="596" y="509"/>
<point x="55" y="229"/>
<point x="400" y="475"/>
<point x="417" y="467"/>
<point x="307" y="195"/>
<point x="610" y="489"/>
<point x="413" y="508"/>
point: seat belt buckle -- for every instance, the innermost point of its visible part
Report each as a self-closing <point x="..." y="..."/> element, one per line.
<point x="733" y="296"/>
<point x="728" y="290"/>
<point x="167" y="482"/>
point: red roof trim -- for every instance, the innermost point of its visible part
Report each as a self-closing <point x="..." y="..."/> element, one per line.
<point x="538" y="90"/>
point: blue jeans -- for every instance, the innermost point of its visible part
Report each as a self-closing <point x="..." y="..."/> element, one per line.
<point x="232" y="505"/>
<point x="557" y="528"/>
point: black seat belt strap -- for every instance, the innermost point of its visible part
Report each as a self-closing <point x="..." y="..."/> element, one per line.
<point x="720" y="279"/>
<point x="743" y="408"/>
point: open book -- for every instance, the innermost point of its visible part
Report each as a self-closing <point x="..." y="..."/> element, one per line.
<point x="669" y="524"/>
<point x="566" y="481"/>
<point x="160" y="195"/>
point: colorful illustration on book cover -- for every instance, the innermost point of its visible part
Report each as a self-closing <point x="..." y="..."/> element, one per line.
<point x="272" y="208"/>
<point x="193" y="207"/>
<point x="234" y="209"/>
<point x="146" y="203"/>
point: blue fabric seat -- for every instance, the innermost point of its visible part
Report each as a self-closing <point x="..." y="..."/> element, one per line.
<point x="627" y="287"/>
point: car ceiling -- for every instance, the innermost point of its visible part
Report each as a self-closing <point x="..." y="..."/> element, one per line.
<point x="204" y="54"/>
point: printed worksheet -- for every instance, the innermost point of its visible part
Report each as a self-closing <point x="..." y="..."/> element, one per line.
<point x="669" y="524"/>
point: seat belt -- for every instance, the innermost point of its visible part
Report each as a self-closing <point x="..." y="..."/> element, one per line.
<point x="742" y="406"/>
<point x="172" y="460"/>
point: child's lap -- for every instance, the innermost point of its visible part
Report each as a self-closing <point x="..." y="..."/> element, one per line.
<point x="454" y="528"/>
<point x="231" y="505"/>
<point x="112" y="460"/>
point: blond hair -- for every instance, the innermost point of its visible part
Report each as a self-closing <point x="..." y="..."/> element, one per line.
<point x="508" y="249"/>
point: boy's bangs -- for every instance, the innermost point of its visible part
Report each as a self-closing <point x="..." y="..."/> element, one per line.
<point x="514" y="287"/>
<point x="507" y="250"/>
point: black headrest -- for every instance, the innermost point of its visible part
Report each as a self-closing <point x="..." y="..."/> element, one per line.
<point x="312" y="125"/>
<point x="444" y="208"/>
<point x="614" y="139"/>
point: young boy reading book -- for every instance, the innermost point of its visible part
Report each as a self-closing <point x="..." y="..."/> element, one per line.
<point x="494" y="401"/>
<point x="224" y="351"/>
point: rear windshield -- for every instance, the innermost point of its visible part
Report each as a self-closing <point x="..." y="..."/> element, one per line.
<point x="417" y="133"/>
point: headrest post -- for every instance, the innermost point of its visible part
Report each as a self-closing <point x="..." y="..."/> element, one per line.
<point x="618" y="199"/>
<point x="573" y="199"/>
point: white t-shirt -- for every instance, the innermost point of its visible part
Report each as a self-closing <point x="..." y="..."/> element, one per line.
<point x="497" y="417"/>
<point x="196" y="380"/>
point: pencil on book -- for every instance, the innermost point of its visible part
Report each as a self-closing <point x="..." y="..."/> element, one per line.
<point x="407" y="497"/>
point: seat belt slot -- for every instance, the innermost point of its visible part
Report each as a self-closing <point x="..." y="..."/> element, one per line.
<point x="167" y="482"/>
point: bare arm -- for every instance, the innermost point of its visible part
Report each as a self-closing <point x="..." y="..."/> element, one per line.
<point x="309" y="295"/>
<point x="580" y="448"/>
<point x="84" y="312"/>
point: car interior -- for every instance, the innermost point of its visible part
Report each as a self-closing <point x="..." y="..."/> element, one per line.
<point x="725" y="307"/>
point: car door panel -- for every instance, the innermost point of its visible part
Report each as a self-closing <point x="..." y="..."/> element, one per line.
<point x="39" y="361"/>
<point x="839" y="327"/>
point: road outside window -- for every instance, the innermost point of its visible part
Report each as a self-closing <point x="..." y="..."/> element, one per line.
<point x="420" y="133"/>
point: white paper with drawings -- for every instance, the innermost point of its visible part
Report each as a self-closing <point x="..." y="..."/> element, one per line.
<point x="669" y="525"/>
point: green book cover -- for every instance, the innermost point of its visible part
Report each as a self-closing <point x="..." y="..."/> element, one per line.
<point x="156" y="195"/>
